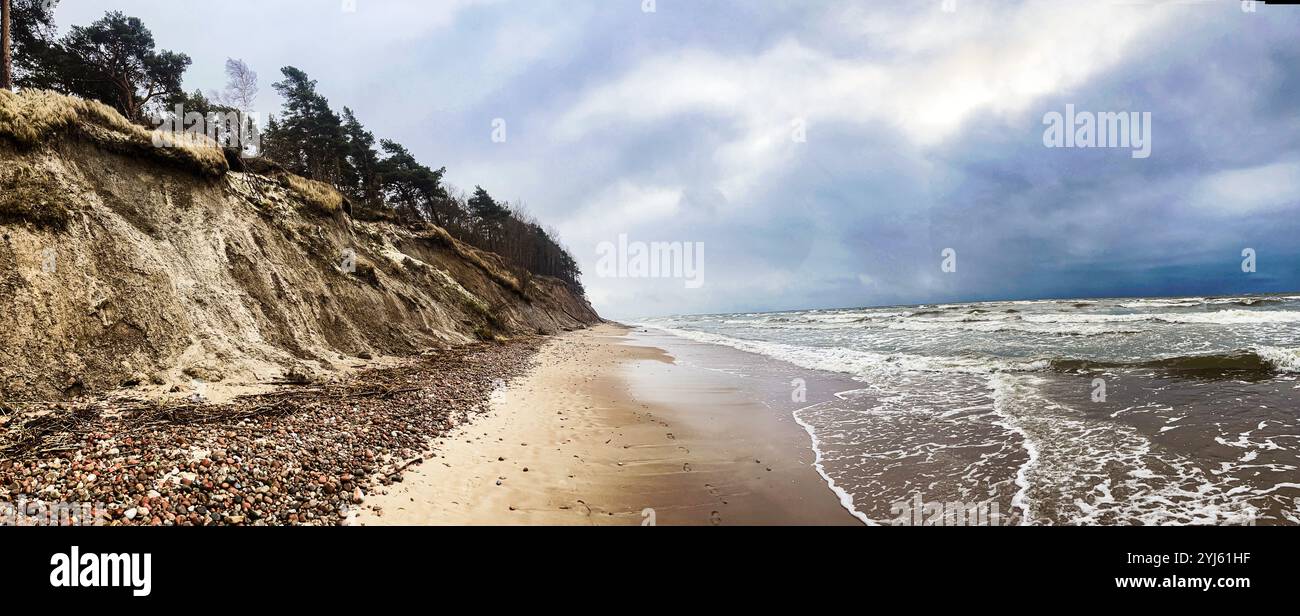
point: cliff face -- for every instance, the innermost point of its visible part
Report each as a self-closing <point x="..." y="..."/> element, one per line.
<point x="119" y="268"/>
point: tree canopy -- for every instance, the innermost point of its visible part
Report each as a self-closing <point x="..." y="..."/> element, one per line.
<point x="114" y="60"/>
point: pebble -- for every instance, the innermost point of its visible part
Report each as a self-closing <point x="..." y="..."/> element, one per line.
<point x="304" y="466"/>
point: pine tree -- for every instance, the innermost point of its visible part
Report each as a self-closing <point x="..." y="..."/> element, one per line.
<point x="36" y="56"/>
<point x="490" y="217"/>
<point x="361" y="182"/>
<point x="309" y="137"/>
<point x="113" y="60"/>
<point x="417" y="189"/>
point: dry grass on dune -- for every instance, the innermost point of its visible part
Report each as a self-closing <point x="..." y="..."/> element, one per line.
<point x="318" y="195"/>
<point x="490" y="264"/>
<point x="31" y="117"/>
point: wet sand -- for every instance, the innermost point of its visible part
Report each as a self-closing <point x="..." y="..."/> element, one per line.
<point x="608" y="429"/>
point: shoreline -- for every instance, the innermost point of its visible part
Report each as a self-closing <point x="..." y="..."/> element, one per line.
<point x="844" y="496"/>
<point x="610" y="429"/>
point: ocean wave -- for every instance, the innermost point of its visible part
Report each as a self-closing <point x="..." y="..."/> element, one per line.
<point x="1196" y="302"/>
<point x="855" y="362"/>
<point x="799" y="320"/>
<point x="938" y="320"/>
<point x="1009" y="325"/>
<point x="1158" y="303"/>
<point x="1259" y="362"/>
<point x="1285" y="360"/>
<point x="1222" y="317"/>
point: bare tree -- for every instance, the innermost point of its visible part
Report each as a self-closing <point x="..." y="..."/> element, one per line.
<point x="241" y="86"/>
<point x="6" y="60"/>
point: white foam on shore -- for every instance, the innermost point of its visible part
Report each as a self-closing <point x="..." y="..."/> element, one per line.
<point x="878" y="367"/>
<point x="1003" y="390"/>
<point x="846" y="499"/>
<point x="1159" y="486"/>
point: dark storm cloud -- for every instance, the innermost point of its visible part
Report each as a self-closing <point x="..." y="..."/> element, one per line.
<point x="923" y="132"/>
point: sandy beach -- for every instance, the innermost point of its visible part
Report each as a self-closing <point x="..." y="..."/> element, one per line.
<point x="609" y="430"/>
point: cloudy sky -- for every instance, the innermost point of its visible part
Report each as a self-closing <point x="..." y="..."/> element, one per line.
<point x="825" y="153"/>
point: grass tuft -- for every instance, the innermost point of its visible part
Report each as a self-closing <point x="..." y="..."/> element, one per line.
<point x="32" y="117"/>
<point x="320" y="196"/>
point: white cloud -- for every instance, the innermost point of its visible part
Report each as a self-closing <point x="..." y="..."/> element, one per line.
<point x="940" y="72"/>
<point x="621" y="208"/>
<point x="1254" y="189"/>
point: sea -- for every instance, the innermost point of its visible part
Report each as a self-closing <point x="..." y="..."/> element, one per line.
<point x="1052" y="412"/>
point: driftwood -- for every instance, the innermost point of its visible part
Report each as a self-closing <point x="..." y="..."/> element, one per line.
<point x="408" y="464"/>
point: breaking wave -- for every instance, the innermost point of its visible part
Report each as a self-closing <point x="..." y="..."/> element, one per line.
<point x="1261" y="362"/>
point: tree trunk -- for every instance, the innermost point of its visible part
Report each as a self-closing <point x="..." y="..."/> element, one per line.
<point x="6" y="59"/>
